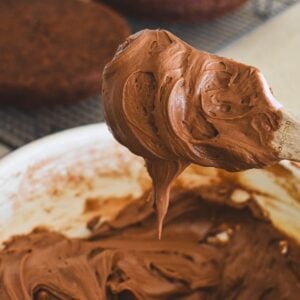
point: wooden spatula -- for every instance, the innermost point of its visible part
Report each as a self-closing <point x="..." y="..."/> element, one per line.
<point x="287" y="139"/>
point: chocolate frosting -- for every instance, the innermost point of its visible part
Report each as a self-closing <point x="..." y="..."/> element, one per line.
<point x="175" y="105"/>
<point x="209" y="251"/>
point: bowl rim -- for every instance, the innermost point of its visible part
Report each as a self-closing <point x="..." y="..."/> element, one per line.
<point x="20" y="158"/>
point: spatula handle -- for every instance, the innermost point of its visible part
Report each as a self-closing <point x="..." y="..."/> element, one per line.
<point x="287" y="138"/>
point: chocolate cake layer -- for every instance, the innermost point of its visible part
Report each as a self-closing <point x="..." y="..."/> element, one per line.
<point x="176" y="10"/>
<point x="53" y="51"/>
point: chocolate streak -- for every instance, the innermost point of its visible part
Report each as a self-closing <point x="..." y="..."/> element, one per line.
<point x="175" y="105"/>
<point x="209" y="251"/>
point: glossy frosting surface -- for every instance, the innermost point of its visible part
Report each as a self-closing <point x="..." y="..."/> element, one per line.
<point x="174" y="105"/>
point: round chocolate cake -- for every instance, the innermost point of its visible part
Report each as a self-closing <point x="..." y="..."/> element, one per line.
<point x="53" y="51"/>
<point x="176" y="10"/>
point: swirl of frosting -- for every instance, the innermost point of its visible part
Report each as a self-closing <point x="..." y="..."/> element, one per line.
<point x="209" y="251"/>
<point x="174" y="105"/>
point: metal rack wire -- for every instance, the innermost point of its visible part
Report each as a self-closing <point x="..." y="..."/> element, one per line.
<point x="18" y="127"/>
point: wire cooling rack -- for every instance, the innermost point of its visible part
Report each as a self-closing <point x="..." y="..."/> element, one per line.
<point x="18" y="127"/>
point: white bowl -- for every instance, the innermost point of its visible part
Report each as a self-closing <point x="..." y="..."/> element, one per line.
<point x="63" y="180"/>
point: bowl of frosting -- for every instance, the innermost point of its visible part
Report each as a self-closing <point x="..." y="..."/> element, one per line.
<point x="77" y="223"/>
